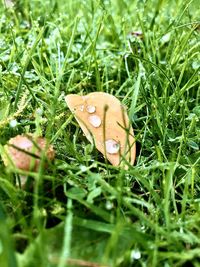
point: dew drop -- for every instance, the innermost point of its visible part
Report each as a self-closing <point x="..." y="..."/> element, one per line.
<point x="83" y="168"/>
<point x="39" y="111"/>
<point x="135" y="254"/>
<point x="94" y="120"/>
<point x="91" y="109"/>
<point x="13" y="123"/>
<point x="81" y="108"/>
<point x="109" y="205"/>
<point x="112" y="147"/>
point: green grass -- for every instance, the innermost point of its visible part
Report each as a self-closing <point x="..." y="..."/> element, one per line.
<point x="81" y="211"/>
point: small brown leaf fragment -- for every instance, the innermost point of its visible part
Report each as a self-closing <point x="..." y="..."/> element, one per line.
<point x="25" y="152"/>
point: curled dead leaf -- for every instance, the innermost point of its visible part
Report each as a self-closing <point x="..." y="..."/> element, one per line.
<point x="105" y="122"/>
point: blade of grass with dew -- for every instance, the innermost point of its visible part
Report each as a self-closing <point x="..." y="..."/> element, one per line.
<point x="65" y="254"/>
<point x="136" y="88"/>
<point x="27" y="61"/>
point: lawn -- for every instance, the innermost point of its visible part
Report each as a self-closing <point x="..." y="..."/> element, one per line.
<point x="81" y="210"/>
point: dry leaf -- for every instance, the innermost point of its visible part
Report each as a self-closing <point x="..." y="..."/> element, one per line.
<point x="105" y="122"/>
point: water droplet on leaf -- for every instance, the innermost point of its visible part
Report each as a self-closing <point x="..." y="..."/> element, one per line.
<point x="112" y="147"/>
<point x="95" y="120"/>
<point x="81" y="108"/>
<point x="91" y="109"/>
